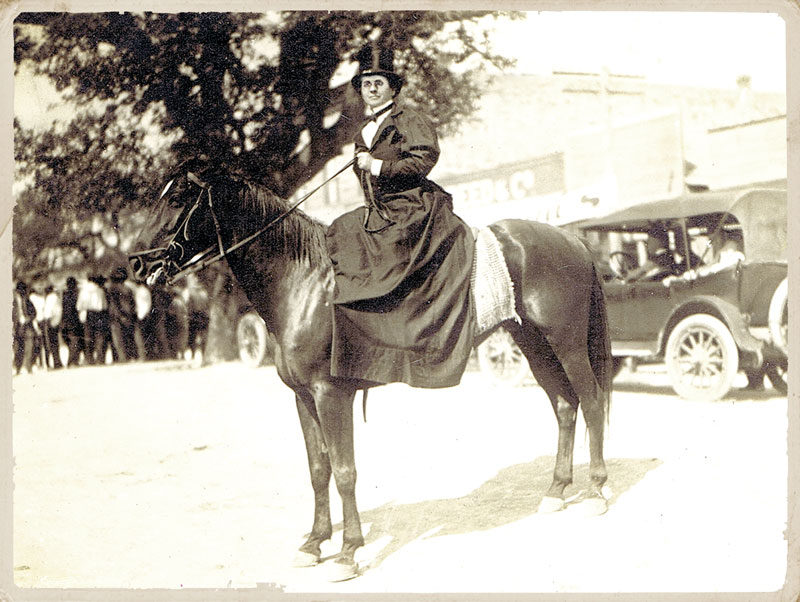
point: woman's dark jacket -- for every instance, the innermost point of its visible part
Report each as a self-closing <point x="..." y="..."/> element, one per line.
<point x="402" y="309"/>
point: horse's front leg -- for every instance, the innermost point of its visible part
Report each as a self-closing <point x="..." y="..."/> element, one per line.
<point x="320" y="466"/>
<point x="335" y="407"/>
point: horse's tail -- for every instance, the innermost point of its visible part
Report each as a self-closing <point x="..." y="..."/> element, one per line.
<point x="599" y="342"/>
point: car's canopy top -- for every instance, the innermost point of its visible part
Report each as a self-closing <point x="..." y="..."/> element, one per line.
<point x="760" y="212"/>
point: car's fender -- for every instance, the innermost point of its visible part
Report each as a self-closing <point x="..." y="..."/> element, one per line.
<point x="750" y="348"/>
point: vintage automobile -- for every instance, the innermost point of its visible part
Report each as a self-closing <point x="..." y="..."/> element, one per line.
<point x="705" y="319"/>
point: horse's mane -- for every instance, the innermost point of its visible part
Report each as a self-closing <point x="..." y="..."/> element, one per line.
<point x="297" y="234"/>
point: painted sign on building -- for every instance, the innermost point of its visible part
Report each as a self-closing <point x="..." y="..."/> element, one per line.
<point x="600" y="170"/>
<point x="511" y="182"/>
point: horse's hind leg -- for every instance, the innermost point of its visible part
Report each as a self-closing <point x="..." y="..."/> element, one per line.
<point x="320" y="466"/>
<point x="551" y="377"/>
<point x="564" y="372"/>
<point x="594" y="414"/>
<point x="582" y="381"/>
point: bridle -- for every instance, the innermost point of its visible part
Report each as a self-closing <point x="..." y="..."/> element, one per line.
<point x="169" y="255"/>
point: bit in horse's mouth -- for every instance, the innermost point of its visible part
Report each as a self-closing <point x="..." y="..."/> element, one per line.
<point x="158" y="276"/>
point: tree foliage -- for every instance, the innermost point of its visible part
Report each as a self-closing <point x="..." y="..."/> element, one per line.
<point x="201" y="75"/>
<point x="81" y="187"/>
<point x="266" y="93"/>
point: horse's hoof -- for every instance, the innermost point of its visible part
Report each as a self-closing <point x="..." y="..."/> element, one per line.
<point x="341" y="571"/>
<point x="548" y="505"/>
<point x="593" y="506"/>
<point x="305" y="559"/>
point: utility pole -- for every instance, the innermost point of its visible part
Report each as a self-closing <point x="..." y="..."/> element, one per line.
<point x="604" y="84"/>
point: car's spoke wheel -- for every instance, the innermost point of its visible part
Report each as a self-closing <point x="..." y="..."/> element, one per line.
<point x="500" y="357"/>
<point x="251" y="338"/>
<point x="702" y="358"/>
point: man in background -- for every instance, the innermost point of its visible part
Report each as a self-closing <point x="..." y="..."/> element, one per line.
<point x="93" y="311"/>
<point x="71" y="326"/>
<point x="122" y="316"/>
<point x="39" y="349"/>
<point x="52" y="325"/>
<point x="23" y="314"/>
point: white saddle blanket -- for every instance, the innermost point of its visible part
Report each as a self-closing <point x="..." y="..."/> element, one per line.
<point x="492" y="288"/>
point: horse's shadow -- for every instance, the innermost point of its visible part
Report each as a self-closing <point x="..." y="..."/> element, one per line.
<point x="513" y="494"/>
<point x="734" y="394"/>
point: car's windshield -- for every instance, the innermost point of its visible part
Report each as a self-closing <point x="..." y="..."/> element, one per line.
<point x="658" y="249"/>
<point x="759" y="215"/>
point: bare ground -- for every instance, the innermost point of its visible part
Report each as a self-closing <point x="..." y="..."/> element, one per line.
<point x="173" y="476"/>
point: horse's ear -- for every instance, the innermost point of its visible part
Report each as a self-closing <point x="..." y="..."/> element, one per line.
<point x="166" y="188"/>
<point x="196" y="179"/>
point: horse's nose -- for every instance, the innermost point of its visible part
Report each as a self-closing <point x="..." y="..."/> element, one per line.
<point x="137" y="267"/>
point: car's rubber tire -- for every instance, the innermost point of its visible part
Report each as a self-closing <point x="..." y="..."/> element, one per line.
<point x="251" y="338"/>
<point x="501" y="358"/>
<point x="702" y="358"/>
<point x="778" y="317"/>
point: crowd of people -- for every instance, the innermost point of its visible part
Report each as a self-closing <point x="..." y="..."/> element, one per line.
<point x="105" y="318"/>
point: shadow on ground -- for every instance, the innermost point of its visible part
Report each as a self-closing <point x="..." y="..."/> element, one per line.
<point x="735" y="394"/>
<point x="513" y="494"/>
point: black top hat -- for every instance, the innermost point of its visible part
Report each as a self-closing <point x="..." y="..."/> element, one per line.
<point x="376" y="61"/>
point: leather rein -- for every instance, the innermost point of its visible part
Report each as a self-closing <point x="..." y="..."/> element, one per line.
<point x="207" y="257"/>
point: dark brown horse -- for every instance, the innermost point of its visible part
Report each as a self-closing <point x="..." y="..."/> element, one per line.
<point x="279" y="257"/>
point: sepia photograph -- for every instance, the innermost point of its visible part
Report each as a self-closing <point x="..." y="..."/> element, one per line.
<point x="411" y="301"/>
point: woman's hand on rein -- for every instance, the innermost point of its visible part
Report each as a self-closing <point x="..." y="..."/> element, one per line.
<point x="364" y="160"/>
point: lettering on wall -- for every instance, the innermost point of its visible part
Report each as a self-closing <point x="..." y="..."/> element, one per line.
<point x="514" y="182"/>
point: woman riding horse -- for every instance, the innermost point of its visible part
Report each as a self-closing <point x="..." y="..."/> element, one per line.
<point x="402" y="309"/>
<point x="401" y="269"/>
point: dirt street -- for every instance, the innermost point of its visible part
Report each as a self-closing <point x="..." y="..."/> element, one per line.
<point x="170" y="475"/>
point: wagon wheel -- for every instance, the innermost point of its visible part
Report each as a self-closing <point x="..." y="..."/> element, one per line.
<point x="500" y="357"/>
<point x="778" y="316"/>
<point x="621" y="263"/>
<point x="251" y="338"/>
<point x="778" y="375"/>
<point x="702" y="358"/>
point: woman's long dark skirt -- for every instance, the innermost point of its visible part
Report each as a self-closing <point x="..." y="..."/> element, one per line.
<point x="402" y="308"/>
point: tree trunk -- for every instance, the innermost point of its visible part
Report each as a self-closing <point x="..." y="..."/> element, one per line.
<point x="222" y="317"/>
